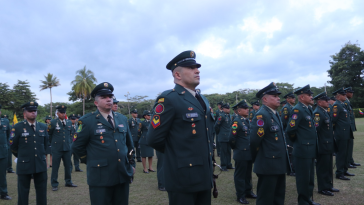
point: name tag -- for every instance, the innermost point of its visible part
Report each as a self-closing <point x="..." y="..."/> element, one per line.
<point x="191" y="115"/>
<point x="100" y="130"/>
<point x="41" y="130"/>
<point x="327" y="121"/>
<point x="308" y="117"/>
<point x="24" y="134"/>
<point x="121" y="125"/>
<point x="274" y="128"/>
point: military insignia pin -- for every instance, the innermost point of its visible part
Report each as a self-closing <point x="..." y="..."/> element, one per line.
<point x="194" y="131"/>
<point x="292" y="123"/>
<point x="190" y="108"/>
<point x="192" y="54"/>
<point x="106" y="85"/>
<point x="193" y="125"/>
<point x="161" y="100"/>
<point x="260" y="132"/>
<point x="159" y="109"/>
<point x="31" y="103"/>
<point x="294" y="116"/>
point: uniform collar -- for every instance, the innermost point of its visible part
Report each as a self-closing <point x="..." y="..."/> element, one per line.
<point x="274" y="111"/>
<point x="105" y="115"/>
<point x="35" y="124"/>
<point x="193" y="93"/>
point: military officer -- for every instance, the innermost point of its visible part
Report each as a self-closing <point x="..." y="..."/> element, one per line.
<point x="76" y="160"/>
<point x="4" y="143"/>
<point x="286" y="112"/>
<point x="10" y="161"/>
<point x="240" y="141"/>
<point x="256" y="107"/>
<point x="29" y="144"/>
<point x="341" y="121"/>
<point x="302" y="132"/>
<point x="49" y="147"/>
<point x="349" y="107"/>
<point x="134" y="129"/>
<point x="222" y="129"/>
<point x="60" y="132"/>
<point x="268" y="148"/>
<point x="114" y="104"/>
<point x="182" y="128"/>
<point x="103" y="142"/>
<point x="235" y="114"/>
<point x="331" y="102"/>
<point x="145" y="150"/>
<point x="325" y="135"/>
<point x="217" y="114"/>
<point x="283" y="103"/>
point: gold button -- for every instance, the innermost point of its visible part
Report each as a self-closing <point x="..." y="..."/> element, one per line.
<point x="23" y="160"/>
<point x="63" y="140"/>
<point x="35" y="154"/>
<point x="210" y="153"/>
<point x="118" y="150"/>
<point x="308" y="143"/>
<point x="35" y="148"/>
<point x="54" y="142"/>
<point x="244" y="149"/>
<point x="206" y="116"/>
<point x="273" y="156"/>
<point x="116" y="140"/>
<point x="34" y="135"/>
<point x="64" y="137"/>
<point x="114" y="131"/>
<point x="190" y="165"/>
<point x="119" y="160"/>
<point x="98" y="165"/>
<point x="34" y="141"/>
<point x="207" y="128"/>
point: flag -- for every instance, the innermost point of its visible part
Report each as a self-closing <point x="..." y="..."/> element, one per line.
<point x="66" y="117"/>
<point x="361" y="112"/>
<point x="15" y="120"/>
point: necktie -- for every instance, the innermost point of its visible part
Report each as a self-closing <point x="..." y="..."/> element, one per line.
<point x="63" y="123"/>
<point x="109" y="120"/>
<point x="203" y="105"/>
<point x="32" y="127"/>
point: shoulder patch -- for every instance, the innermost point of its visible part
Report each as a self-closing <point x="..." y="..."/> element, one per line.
<point x="235" y="126"/>
<point x="328" y="109"/>
<point x="292" y="123"/>
<point x="156" y="121"/>
<point x="260" y="132"/>
<point x="260" y="123"/>
<point x="159" y="108"/>
<point x="79" y="128"/>
<point x="80" y="122"/>
<point x="296" y="111"/>
<point x="160" y="100"/>
<point x="259" y="117"/>
<point x="294" y="116"/>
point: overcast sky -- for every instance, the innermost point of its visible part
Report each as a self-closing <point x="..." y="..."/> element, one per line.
<point x="240" y="44"/>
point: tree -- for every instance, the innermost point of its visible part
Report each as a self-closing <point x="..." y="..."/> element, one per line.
<point x="49" y="82"/>
<point x="5" y="94"/>
<point x="21" y="94"/>
<point x="346" y="70"/>
<point x="83" y="85"/>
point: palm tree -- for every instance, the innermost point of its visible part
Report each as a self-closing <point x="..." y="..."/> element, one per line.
<point x="49" y="82"/>
<point x="83" y="84"/>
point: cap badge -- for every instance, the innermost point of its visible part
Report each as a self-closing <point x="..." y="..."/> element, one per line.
<point x="106" y="85"/>
<point x="192" y="54"/>
<point x="62" y="106"/>
<point x="31" y="103"/>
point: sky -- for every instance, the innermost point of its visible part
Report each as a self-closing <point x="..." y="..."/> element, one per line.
<point x="240" y="44"/>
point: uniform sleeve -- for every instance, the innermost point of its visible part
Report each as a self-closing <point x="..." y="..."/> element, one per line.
<point x="257" y="132"/>
<point x="284" y="116"/>
<point x="46" y="138"/>
<point x="81" y="140"/>
<point x="14" y="146"/>
<point x="51" y="127"/>
<point x="218" y="123"/>
<point x="233" y="133"/>
<point x="161" y="122"/>
<point x="336" y="110"/>
<point x="8" y="133"/>
<point x="129" y="140"/>
<point x="294" y="120"/>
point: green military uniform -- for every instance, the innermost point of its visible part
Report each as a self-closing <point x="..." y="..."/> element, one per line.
<point x="105" y="146"/>
<point x="269" y="153"/>
<point x="302" y="132"/>
<point x="134" y="129"/>
<point x="240" y="142"/>
<point x="251" y="114"/>
<point x="285" y="113"/>
<point x="4" y="142"/>
<point x="323" y="124"/>
<point x="160" y="171"/>
<point x="76" y="160"/>
<point x="217" y="114"/>
<point x="145" y="150"/>
<point x="49" y="147"/>
<point x="341" y="121"/>
<point x="182" y="128"/>
<point x="10" y="159"/>
<point x="222" y="129"/>
<point x="349" y="107"/>
<point x="29" y="144"/>
<point x="60" y="133"/>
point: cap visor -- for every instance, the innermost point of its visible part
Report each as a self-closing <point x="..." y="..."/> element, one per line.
<point x="189" y="63"/>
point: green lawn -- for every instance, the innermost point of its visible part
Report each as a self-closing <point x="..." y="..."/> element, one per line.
<point x="144" y="188"/>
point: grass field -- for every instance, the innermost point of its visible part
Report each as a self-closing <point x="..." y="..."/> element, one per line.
<point x="144" y="188"/>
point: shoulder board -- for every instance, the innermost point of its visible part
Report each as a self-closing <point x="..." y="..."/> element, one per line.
<point x="259" y="117"/>
<point x="296" y="111"/>
<point x="285" y="108"/>
<point x="317" y="114"/>
<point x="335" y="106"/>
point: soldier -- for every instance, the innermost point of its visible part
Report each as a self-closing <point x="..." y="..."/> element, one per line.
<point x="103" y="142"/>
<point x="217" y="114"/>
<point x="76" y="160"/>
<point x="286" y="112"/>
<point x="331" y="102"/>
<point x="134" y="129"/>
<point x="145" y="150"/>
<point x="235" y="114"/>
<point x="10" y="161"/>
<point x="4" y="142"/>
<point x="255" y="109"/>
<point x="283" y="103"/>
<point x="49" y="147"/>
<point x="222" y="129"/>
<point x="29" y="144"/>
<point x="114" y="104"/>
<point x="240" y="141"/>
<point x="60" y="132"/>
<point x="349" y="107"/>
<point x="302" y="133"/>
<point x="326" y="143"/>
<point x="182" y="128"/>
<point x="268" y="148"/>
<point x="341" y="121"/>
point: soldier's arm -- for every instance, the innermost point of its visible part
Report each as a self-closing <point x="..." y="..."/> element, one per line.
<point x="284" y="116"/>
<point x="335" y="113"/>
<point x="161" y="123"/>
<point x="46" y="140"/>
<point x="293" y="123"/>
<point x="129" y="140"/>
<point x="14" y="146"/>
<point x="51" y="127"/>
<point x="218" y="123"/>
<point x="233" y="133"/>
<point x="8" y="132"/>
<point x="257" y="132"/>
<point x="81" y="140"/>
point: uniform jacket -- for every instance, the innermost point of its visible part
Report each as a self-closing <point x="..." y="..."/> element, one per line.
<point x="301" y="130"/>
<point x="134" y="128"/>
<point x="286" y="112"/>
<point x="324" y="129"/>
<point x="4" y="137"/>
<point x="60" y="136"/>
<point x="104" y="149"/>
<point x="352" y="116"/>
<point x="217" y="113"/>
<point x="182" y="130"/>
<point x="144" y="127"/>
<point x="29" y="147"/>
<point x="268" y="143"/>
<point x="222" y="127"/>
<point x="341" y="121"/>
<point x="251" y="114"/>
<point x="240" y="138"/>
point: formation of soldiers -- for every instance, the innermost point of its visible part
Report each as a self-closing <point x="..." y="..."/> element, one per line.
<point x="183" y="129"/>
